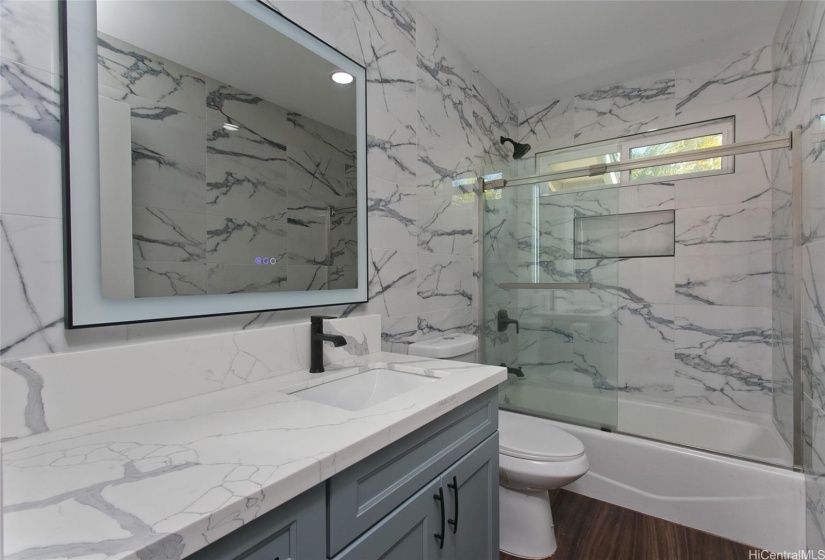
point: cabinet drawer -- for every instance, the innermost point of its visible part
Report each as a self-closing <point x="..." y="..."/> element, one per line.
<point x="366" y="492"/>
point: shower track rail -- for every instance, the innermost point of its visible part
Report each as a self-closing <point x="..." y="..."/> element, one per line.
<point x="737" y="148"/>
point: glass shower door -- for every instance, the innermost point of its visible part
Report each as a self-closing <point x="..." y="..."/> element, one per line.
<point x="550" y="300"/>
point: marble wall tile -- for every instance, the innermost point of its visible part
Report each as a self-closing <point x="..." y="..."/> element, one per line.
<point x="446" y="224"/>
<point x="392" y="284"/>
<point x="168" y="235"/>
<point x="719" y="81"/>
<point x="30" y="163"/>
<point x="241" y="240"/>
<point x="723" y="230"/>
<point x="236" y="190"/>
<point x="398" y="332"/>
<point x="158" y="182"/>
<point x="304" y="277"/>
<point x="635" y="106"/>
<point x="170" y="279"/>
<point x="444" y="282"/>
<point x="436" y="323"/>
<point x="147" y="78"/>
<point x="741" y="280"/>
<point x="31" y="278"/>
<point x="393" y="213"/>
<point x="647" y="198"/>
<point x="813" y="282"/>
<point x="723" y="357"/>
<point x="245" y="278"/>
<point x="543" y="125"/>
<point x="30" y="34"/>
<point x="649" y="375"/>
<point x="648" y="280"/>
<point x="813" y="362"/>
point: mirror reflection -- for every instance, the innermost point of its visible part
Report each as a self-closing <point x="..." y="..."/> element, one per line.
<point x="227" y="156"/>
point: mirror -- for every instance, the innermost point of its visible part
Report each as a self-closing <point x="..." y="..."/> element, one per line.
<point x="214" y="165"/>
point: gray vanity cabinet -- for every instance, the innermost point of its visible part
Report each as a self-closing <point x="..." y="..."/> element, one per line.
<point x="468" y="522"/>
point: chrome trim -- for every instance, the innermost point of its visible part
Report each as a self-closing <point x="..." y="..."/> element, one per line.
<point x="544" y="285"/>
<point x="796" y="225"/>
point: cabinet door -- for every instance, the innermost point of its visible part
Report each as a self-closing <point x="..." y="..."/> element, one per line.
<point x="407" y="533"/>
<point x="471" y="488"/>
<point x="294" y="531"/>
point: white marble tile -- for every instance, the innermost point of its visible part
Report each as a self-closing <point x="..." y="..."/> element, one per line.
<point x="494" y="117"/>
<point x="649" y="280"/>
<point x="648" y="375"/>
<point x="392" y="216"/>
<point x="446" y="225"/>
<point x="392" y="283"/>
<point x="648" y="326"/>
<point x="437" y="323"/>
<point x="813" y="362"/>
<point x="813" y="282"/>
<point x="169" y="279"/>
<point x="723" y="357"/>
<point x="647" y="198"/>
<point x="245" y="278"/>
<point x="303" y="277"/>
<point x="30" y="163"/>
<point x="545" y="125"/>
<point x="718" y="81"/>
<point x="159" y="182"/>
<point x="242" y="241"/>
<point x="168" y="235"/>
<point x="235" y="190"/>
<point x="750" y="184"/>
<point x="143" y="77"/>
<point x="444" y="282"/>
<point x="31" y="277"/>
<point x="160" y="130"/>
<point x="742" y="280"/>
<point x="397" y="333"/>
<point x="30" y="33"/>
<point x="732" y="229"/>
<point x="634" y="106"/>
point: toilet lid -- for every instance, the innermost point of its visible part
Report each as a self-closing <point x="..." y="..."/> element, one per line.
<point x="525" y="437"/>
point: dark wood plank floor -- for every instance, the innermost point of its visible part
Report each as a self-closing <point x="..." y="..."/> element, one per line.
<point x="587" y="529"/>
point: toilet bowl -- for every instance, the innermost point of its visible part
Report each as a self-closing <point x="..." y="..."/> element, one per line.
<point x="534" y="457"/>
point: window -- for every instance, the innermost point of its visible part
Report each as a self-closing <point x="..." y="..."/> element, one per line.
<point x="649" y="144"/>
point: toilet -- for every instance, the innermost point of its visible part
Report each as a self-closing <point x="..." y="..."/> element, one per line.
<point x="534" y="457"/>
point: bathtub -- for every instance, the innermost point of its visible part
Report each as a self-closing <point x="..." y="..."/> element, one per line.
<point x="760" y="505"/>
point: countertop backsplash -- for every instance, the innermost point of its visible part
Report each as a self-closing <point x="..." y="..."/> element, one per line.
<point x="61" y="390"/>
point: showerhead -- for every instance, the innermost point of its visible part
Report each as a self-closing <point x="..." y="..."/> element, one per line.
<point x="519" y="150"/>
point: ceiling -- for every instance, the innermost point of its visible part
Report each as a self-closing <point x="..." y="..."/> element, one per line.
<point x="536" y="51"/>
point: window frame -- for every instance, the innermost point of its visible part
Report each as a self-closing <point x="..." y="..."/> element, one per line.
<point x="624" y="144"/>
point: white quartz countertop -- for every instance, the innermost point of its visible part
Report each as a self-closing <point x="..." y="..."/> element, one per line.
<point x="166" y="481"/>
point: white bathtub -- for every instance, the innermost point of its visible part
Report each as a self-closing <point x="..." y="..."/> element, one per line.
<point x="759" y="505"/>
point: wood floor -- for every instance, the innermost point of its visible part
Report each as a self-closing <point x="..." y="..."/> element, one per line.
<point x="587" y="529"/>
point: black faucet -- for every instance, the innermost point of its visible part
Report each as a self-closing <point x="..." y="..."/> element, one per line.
<point x="514" y="370"/>
<point x="504" y="320"/>
<point x="316" y="338"/>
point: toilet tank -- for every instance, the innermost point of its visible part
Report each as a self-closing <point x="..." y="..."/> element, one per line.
<point x="459" y="347"/>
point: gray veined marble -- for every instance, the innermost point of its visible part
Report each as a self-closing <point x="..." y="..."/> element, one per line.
<point x="444" y="282"/>
<point x="446" y="225"/>
<point x="743" y="280"/>
<point x="719" y="81"/>
<point x="166" y="235"/>
<point x="143" y="75"/>
<point x="232" y="240"/>
<point x="633" y="107"/>
<point x="723" y="357"/>
<point x="153" y="279"/>
<point x="732" y="229"/>
<point x="392" y="285"/>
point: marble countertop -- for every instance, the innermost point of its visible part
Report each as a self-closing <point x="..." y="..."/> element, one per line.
<point x="166" y="481"/>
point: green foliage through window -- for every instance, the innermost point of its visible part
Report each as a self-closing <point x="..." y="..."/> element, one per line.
<point x="674" y="147"/>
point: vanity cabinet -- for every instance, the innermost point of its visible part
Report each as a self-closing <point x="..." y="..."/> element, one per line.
<point x="453" y="517"/>
<point x="433" y="494"/>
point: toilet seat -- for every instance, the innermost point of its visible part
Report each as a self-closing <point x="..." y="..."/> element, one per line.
<point x="525" y="437"/>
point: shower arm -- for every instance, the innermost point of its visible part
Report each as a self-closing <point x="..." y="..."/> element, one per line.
<point x="738" y="148"/>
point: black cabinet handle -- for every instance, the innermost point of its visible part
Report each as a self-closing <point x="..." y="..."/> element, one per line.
<point x="454" y="522"/>
<point x="440" y="498"/>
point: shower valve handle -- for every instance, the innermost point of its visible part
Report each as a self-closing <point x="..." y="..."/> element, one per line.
<point x="504" y="320"/>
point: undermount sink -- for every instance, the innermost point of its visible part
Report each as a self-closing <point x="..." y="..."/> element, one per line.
<point x="364" y="389"/>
